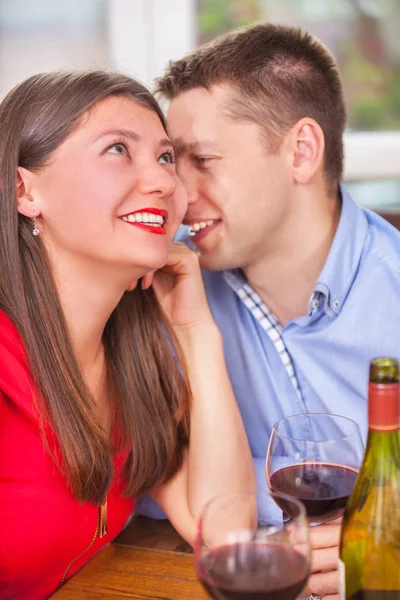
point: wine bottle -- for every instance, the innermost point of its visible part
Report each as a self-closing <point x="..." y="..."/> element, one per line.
<point x="369" y="563"/>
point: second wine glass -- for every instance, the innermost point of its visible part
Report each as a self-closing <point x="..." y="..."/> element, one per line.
<point x="315" y="458"/>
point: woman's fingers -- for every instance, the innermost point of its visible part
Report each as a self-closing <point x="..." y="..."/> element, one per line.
<point x="179" y="288"/>
<point x="147" y="280"/>
<point x="181" y="260"/>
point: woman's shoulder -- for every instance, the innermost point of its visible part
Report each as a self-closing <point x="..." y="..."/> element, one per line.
<point x="9" y="336"/>
<point x="11" y="344"/>
<point x="15" y="379"/>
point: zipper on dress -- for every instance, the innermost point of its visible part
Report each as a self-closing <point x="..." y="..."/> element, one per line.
<point x="101" y="526"/>
<point x="103" y="519"/>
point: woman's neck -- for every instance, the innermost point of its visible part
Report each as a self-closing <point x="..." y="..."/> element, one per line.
<point x="88" y="296"/>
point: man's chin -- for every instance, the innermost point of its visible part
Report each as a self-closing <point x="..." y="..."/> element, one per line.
<point x="213" y="261"/>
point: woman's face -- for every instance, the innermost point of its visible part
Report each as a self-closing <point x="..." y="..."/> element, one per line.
<point x="110" y="194"/>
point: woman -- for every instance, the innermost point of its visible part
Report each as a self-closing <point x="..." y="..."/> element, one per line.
<point x="94" y="392"/>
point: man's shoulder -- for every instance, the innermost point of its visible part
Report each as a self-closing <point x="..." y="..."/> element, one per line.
<point x="383" y="242"/>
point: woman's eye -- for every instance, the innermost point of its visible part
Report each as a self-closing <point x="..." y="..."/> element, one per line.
<point x="167" y="158"/>
<point x="118" y="149"/>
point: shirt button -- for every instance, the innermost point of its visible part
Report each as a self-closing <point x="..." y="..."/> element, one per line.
<point x="314" y="306"/>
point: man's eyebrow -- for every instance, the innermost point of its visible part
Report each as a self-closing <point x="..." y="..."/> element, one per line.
<point x="181" y="147"/>
<point x="130" y="135"/>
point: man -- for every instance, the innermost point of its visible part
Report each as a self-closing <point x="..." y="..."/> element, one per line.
<point x="303" y="284"/>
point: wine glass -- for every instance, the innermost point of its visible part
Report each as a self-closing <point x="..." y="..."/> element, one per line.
<point x="315" y="458"/>
<point x="242" y="553"/>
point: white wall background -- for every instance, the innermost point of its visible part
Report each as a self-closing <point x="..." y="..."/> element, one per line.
<point x="138" y="37"/>
<point x="145" y="34"/>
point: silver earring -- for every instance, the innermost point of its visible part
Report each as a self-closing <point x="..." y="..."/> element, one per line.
<point x="35" y="230"/>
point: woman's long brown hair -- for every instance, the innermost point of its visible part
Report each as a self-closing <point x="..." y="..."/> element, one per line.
<point x="146" y="371"/>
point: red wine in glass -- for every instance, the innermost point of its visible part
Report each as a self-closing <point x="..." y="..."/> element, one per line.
<point x="315" y="458"/>
<point x="253" y="570"/>
<point x="243" y="551"/>
<point x="323" y="488"/>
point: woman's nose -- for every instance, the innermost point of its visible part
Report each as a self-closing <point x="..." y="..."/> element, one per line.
<point x="158" y="180"/>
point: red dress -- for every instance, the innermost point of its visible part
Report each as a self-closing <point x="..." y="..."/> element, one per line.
<point x="43" y="529"/>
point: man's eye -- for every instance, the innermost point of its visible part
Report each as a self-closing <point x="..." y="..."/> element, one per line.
<point x="118" y="149"/>
<point x="167" y="158"/>
<point x="201" y="161"/>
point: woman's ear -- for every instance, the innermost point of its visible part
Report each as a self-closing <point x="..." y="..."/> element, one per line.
<point x="26" y="204"/>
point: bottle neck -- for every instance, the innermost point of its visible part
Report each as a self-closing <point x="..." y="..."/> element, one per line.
<point x="382" y="456"/>
<point x="383" y="407"/>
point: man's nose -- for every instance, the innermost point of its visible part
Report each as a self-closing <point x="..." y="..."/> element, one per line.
<point x="190" y="184"/>
<point x="192" y="194"/>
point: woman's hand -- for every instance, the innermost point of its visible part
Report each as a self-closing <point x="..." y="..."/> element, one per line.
<point x="210" y="467"/>
<point x="179" y="289"/>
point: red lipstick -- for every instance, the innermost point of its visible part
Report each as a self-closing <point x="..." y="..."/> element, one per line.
<point x="143" y="220"/>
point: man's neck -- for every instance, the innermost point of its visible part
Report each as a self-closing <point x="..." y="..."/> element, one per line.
<point x="285" y="279"/>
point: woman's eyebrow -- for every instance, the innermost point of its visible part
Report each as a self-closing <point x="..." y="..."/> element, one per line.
<point x="128" y="134"/>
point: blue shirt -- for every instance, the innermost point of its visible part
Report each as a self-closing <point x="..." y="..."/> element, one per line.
<point x="356" y="318"/>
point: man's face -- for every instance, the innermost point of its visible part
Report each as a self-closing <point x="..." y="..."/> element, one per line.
<point x="239" y="194"/>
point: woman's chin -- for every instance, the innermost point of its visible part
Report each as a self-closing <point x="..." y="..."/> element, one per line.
<point x="153" y="262"/>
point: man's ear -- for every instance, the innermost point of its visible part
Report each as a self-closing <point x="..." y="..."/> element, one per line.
<point x="308" y="146"/>
<point x="26" y="204"/>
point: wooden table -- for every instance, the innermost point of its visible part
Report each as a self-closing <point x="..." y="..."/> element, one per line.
<point x="148" y="560"/>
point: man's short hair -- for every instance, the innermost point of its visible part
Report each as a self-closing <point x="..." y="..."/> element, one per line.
<point x="278" y="75"/>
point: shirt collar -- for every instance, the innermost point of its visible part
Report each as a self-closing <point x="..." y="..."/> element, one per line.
<point x="235" y="278"/>
<point x="337" y="275"/>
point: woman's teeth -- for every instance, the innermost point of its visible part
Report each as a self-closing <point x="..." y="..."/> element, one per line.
<point x="196" y="227"/>
<point x="145" y="218"/>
